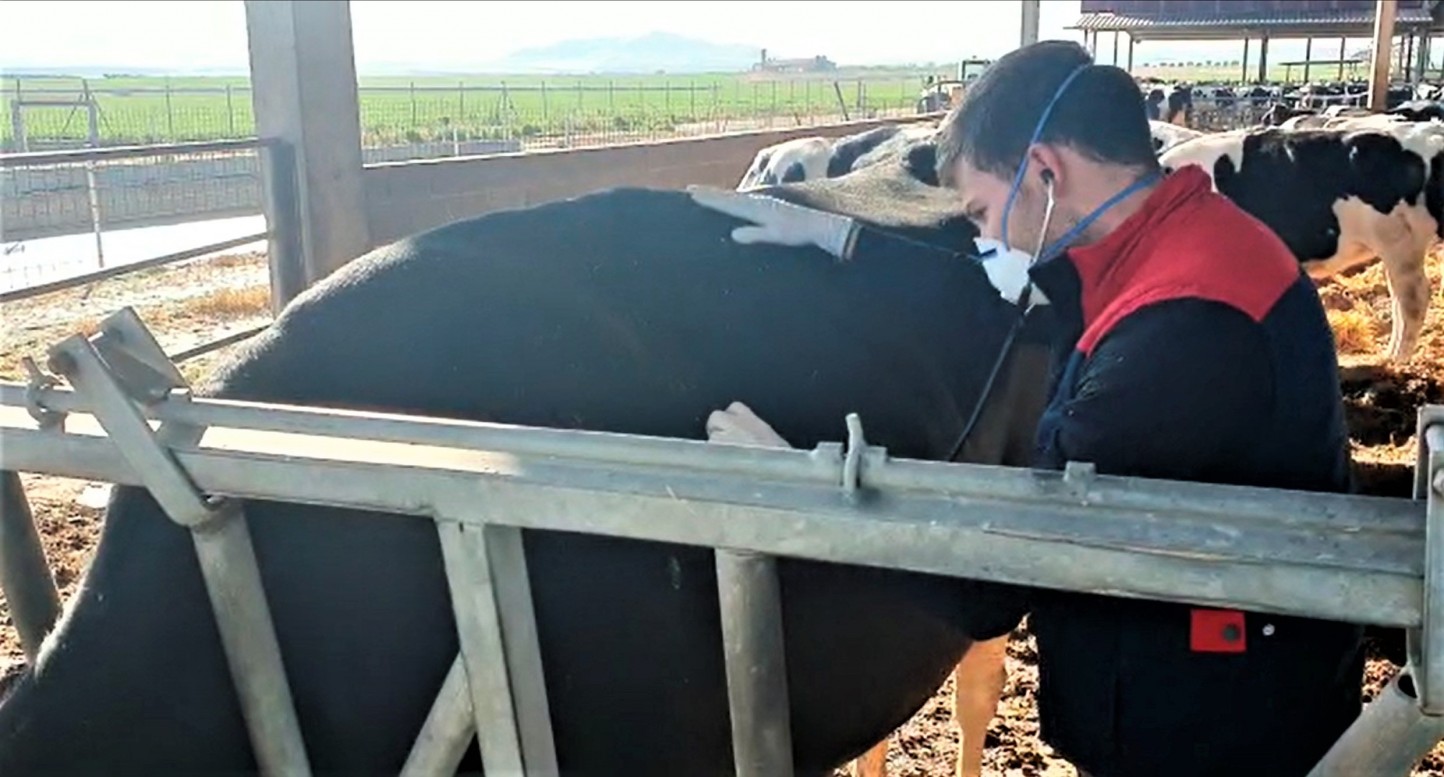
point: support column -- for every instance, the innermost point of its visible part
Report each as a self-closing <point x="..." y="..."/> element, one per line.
<point x="1031" y="12"/>
<point x="1115" y="48"/>
<point x="1308" y="56"/>
<point x="1244" y="75"/>
<point x="1263" y="58"/>
<point x="1379" y="68"/>
<point x="303" y="89"/>
<point x="1343" y="43"/>
<point x="1130" y="53"/>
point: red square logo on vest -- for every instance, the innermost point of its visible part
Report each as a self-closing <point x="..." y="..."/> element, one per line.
<point x="1216" y="631"/>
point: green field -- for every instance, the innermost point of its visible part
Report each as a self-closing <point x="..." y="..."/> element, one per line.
<point x="401" y="110"/>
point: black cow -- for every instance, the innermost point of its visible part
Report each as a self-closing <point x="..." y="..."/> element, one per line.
<point x="627" y="311"/>
<point x="1339" y="198"/>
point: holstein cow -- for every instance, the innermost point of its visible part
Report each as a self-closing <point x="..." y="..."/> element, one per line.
<point x="1166" y="136"/>
<point x="1339" y="198"/>
<point x="629" y="311"/>
<point x="808" y="159"/>
<point x="791" y="161"/>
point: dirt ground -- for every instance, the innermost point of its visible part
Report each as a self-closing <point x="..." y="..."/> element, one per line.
<point x="192" y="304"/>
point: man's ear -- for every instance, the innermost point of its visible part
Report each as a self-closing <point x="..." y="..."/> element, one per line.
<point x="1044" y="158"/>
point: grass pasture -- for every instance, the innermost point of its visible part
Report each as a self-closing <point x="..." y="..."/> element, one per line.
<point x="450" y="108"/>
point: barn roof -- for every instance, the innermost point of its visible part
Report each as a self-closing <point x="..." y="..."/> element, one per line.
<point x="1233" y="20"/>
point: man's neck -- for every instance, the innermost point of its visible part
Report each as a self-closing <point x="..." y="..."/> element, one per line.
<point x="1111" y="180"/>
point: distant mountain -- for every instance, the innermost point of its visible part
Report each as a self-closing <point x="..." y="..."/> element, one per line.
<point x="650" y="53"/>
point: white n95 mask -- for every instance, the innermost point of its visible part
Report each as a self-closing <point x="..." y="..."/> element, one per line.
<point x="1007" y="270"/>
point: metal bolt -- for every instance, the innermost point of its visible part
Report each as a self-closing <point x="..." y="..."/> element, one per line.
<point x="1268" y="630"/>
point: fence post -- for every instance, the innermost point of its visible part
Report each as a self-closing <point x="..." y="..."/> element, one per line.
<point x="230" y="113"/>
<point x="92" y="180"/>
<point x="169" y="114"/>
<point x="17" y="121"/>
<point x="460" y="102"/>
<point x="546" y="115"/>
<point x="24" y="573"/>
<point x="413" y="105"/>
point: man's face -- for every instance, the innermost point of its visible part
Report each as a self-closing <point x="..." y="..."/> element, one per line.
<point x="985" y="195"/>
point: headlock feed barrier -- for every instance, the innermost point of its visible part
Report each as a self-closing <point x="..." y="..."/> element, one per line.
<point x="1360" y="559"/>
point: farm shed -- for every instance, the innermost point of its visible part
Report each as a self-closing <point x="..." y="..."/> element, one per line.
<point x="1415" y="22"/>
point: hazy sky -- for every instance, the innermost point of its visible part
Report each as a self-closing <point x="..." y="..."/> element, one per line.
<point x="455" y="34"/>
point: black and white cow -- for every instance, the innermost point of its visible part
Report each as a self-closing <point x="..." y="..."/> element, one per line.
<point x="812" y="158"/>
<point x="1419" y="110"/>
<point x="628" y="311"/>
<point x="1171" y="103"/>
<point x="1340" y="198"/>
<point x="1166" y="136"/>
<point x="791" y="161"/>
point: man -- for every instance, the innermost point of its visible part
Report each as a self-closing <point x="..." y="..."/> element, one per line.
<point x="1194" y="349"/>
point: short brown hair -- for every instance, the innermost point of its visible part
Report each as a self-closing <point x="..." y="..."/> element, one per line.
<point x="1101" y="114"/>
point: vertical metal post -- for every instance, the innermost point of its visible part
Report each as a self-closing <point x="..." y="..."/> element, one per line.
<point x="25" y="576"/>
<point x="1308" y="56"/>
<point x="751" y="603"/>
<point x="1343" y="49"/>
<point x="92" y="182"/>
<point x="17" y="120"/>
<point x="1115" y="48"/>
<point x="1244" y="75"/>
<point x="230" y="113"/>
<point x="283" y="222"/>
<point x="1130" y="52"/>
<point x="1029" y="34"/>
<point x="1263" y="59"/>
<point x="1383" y="39"/>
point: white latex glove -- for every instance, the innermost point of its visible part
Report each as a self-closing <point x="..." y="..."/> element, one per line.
<point x="778" y="222"/>
<point x="738" y="425"/>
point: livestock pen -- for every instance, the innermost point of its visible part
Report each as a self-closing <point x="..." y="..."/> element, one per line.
<point x="835" y="489"/>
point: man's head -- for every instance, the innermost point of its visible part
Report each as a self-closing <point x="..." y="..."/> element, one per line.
<point x="1095" y="142"/>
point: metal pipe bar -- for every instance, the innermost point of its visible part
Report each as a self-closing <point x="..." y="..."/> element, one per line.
<point x="448" y="731"/>
<point x="1389" y="737"/>
<point x="752" y="642"/>
<point x="116" y="153"/>
<point x="73" y="281"/>
<point x="217" y="344"/>
<point x="479" y="626"/>
<point x="1095" y="535"/>
<point x="1254" y="506"/>
<point x="25" y="577"/>
<point x="227" y="561"/>
<point x="1428" y="641"/>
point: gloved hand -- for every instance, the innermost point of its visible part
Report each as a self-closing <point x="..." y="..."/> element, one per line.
<point x="738" y="425"/>
<point x="778" y="222"/>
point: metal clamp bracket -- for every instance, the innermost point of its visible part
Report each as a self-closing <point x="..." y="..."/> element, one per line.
<point x="115" y="369"/>
<point x="118" y="366"/>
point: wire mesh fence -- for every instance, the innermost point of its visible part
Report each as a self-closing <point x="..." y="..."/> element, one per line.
<point x="71" y="214"/>
<point x="410" y="120"/>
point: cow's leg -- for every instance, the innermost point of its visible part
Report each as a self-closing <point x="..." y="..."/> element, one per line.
<point x="977" y="685"/>
<point x="1409" y="297"/>
<point x="873" y="763"/>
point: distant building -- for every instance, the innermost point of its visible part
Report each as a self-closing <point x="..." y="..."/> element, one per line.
<point x="817" y="64"/>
